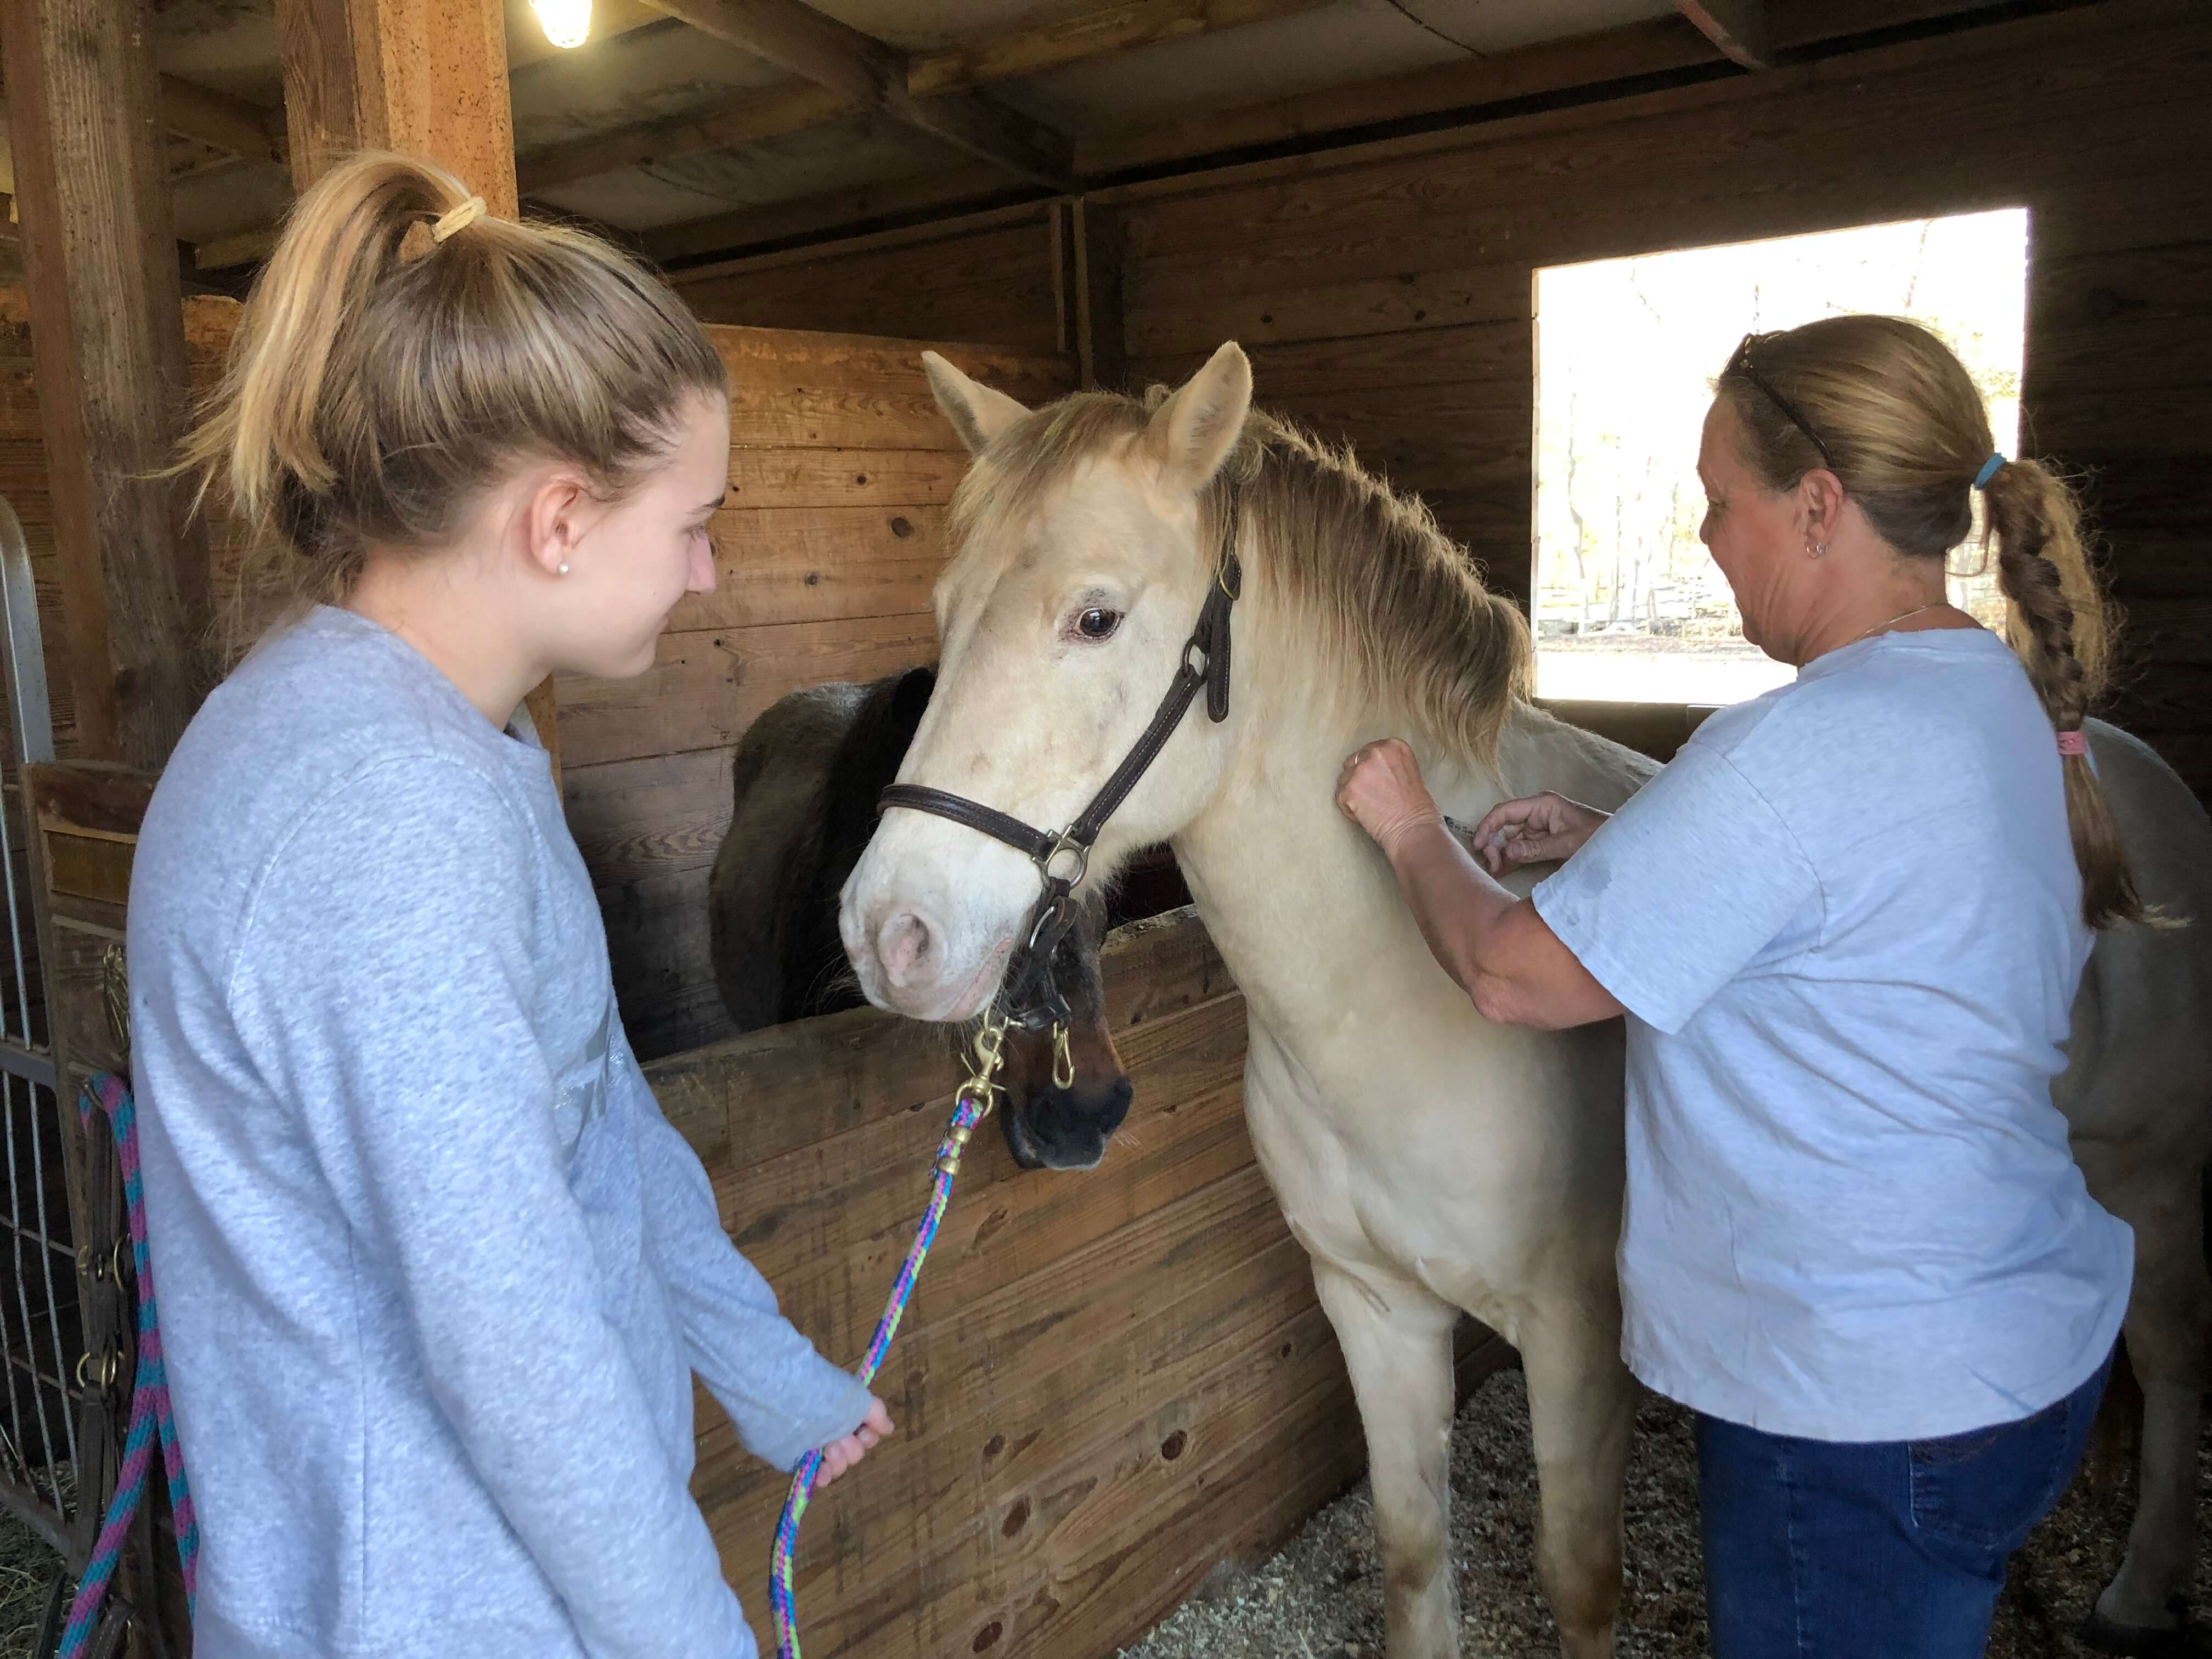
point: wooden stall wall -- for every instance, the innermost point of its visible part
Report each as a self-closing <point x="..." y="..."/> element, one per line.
<point x="840" y="467"/>
<point x="1106" y="1383"/>
<point x="1385" y="293"/>
<point x="991" y="277"/>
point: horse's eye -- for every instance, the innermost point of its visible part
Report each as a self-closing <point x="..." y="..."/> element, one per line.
<point x="1098" y="623"/>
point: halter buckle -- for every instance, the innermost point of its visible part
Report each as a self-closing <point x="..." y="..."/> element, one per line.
<point x="1064" y="841"/>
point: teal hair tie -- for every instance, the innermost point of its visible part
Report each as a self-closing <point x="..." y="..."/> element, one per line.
<point x="1989" y="470"/>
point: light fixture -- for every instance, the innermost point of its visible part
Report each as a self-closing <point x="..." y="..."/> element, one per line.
<point x="565" y="22"/>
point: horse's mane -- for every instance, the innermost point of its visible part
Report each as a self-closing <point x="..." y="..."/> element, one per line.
<point x="1394" y="605"/>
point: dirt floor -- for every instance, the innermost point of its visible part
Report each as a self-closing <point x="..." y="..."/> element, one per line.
<point x="1320" y="1598"/>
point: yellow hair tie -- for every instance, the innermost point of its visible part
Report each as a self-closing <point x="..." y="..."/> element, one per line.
<point x="459" y="218"/>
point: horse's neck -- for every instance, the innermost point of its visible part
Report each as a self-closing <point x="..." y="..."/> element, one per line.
<point x="1302" y="908"/>
<point x="1537" y="751"/>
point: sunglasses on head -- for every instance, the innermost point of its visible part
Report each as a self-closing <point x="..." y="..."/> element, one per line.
<point x="1741" y="363"/>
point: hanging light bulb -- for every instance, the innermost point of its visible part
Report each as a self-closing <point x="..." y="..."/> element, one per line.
<point x="565" y="22"/>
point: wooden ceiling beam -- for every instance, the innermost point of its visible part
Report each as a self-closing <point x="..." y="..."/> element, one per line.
<point x="1113" y="28"/>
<point x="225" y="123"/>
<point x="1738" y="27"/>
<point x="767" y="114"/>
<point x="813" y="214"/>
<point x="217" y="119"/>
<point x="764" y="114"/>
<point x="816" y="47"/>
<point x="1637" y="49"/>
<point x="1660" y="45"/>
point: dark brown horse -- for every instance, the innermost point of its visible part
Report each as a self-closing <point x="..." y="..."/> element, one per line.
<point x="805" y="778"/>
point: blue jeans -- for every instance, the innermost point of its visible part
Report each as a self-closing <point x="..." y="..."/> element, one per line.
<point x="1874" y="1550"/>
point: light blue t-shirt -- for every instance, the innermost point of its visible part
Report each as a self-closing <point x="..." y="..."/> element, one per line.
<point x="1846" y="923"/>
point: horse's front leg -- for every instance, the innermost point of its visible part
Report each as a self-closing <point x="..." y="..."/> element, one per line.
<point x="1397" y="1343"/>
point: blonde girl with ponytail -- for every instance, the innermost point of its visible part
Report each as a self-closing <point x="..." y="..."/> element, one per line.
<point x="1846" y="926"/>
<point x="436" y="1274"/>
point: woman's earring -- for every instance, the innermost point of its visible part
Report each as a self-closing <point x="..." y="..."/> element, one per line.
<point x="1813" y="549"/>
<point x="564" y="570"/>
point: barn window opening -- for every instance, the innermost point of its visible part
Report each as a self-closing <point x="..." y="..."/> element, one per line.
<point x="1627" y="604"/>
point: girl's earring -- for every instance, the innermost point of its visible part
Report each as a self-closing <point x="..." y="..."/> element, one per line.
<point x="564" y="570"/>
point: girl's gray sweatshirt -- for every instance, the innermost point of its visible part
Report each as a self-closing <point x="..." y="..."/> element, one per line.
<point x="435" y="1271"/>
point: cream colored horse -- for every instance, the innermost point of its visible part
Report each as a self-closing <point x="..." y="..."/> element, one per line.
<point x="1430" y="1162"/>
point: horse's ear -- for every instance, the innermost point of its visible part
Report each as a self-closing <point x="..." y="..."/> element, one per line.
<point x="1192" y="432"/>
<point x="977" y="413"/>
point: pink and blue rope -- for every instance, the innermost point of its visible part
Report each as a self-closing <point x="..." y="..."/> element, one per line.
<point x="783" y="1606"/>
<point x="150" y="1415"/>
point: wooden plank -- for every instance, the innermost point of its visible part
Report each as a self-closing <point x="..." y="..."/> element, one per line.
<point x="968" y="1468"/>
<point x="637" y="818"/>
<point x="1043" y="47"/>
<point x="994" y="285"/>
<point x="230" y="124"/>
<point x="1380" y="305"/>
<point x="774" y="1092"/>
<point x="1035" y="1533"/>
<point x="1488" y="362"/>
<point x="826" y="359"/>
<point x="1103" y="1557"/>
<point x="706" y="687"/>
<point x="829" y="1222"/>
<point x="1639" y="49"/>
<point x="819" y="48"/>
<point x="92" y="190"/>
<point x="757" y="115"/>
<point x="811" y="216"/>
<point x="1738" y="27"/>
<point x="1799" y="23"/>
<point x="819" y="564"/>
<point x="828" y="477"/>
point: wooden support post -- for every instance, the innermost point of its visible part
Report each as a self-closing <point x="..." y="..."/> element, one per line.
<point x="108" y="350"/>
<point x="426" y="77"/>
<point x="1102" y="347"/>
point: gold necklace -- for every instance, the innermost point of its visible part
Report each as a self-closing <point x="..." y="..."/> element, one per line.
<point x="1901" y="616"/>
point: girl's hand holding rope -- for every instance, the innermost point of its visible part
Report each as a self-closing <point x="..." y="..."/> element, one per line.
<point x="840" y="1455"/>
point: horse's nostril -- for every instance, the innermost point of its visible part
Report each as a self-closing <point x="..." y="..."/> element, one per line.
<point x="905" y="945"/>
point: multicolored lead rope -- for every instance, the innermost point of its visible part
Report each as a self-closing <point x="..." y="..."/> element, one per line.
<point x="971" y="1108"/>
<point x="149" y="1397"/>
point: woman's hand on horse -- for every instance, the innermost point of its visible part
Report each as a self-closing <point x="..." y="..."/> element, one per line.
<point x="840" y="1455"/>
<point x="1380" y="790"/>
<point x="1534" y="829"/>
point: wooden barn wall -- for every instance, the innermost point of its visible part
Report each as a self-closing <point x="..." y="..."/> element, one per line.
<point x="1385" y="292"/>
<point x="989" y="277"/>
<point x="1106" y="1383"/>
<point x="1386" y="295"/>
<point x="840" y="467"/>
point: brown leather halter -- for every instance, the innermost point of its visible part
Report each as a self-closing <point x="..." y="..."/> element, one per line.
<point x="1029" y="997"/>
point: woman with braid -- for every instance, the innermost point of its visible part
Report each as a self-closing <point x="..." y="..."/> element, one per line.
<point x="1846" y="926"/>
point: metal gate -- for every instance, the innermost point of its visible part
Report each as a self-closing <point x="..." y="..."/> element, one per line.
<point x="41" y="1329"/>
